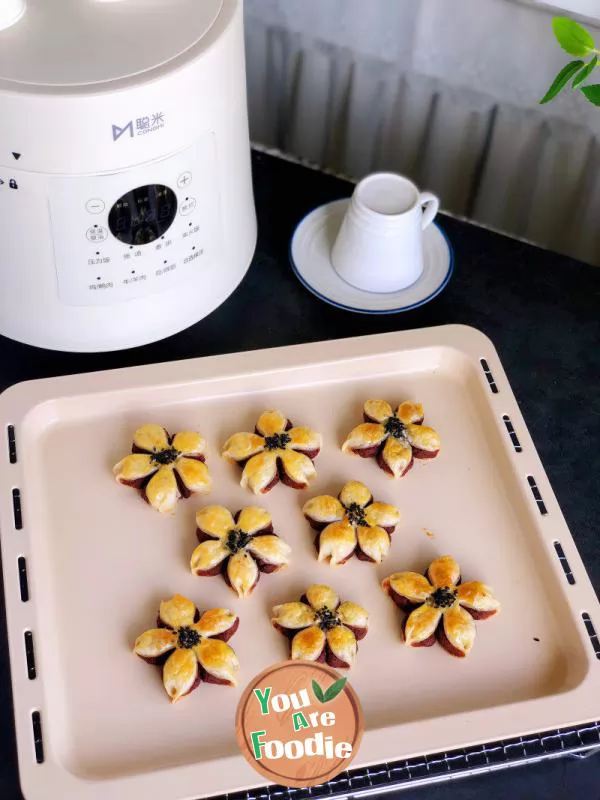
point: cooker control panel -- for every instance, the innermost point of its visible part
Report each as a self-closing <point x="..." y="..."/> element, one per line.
<point x="128" y="234"/>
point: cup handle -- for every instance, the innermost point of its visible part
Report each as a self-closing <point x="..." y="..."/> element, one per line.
<point x="432" y="206"/>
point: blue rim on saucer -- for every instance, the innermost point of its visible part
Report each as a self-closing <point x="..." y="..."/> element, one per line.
<point x="314" y="223"/>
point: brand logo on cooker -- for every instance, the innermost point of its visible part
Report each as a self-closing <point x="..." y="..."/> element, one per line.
<point x="299" y="723"/>
<point x="140" y="126"/>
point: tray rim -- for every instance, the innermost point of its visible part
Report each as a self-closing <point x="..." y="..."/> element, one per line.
<point x="18" y="401"/>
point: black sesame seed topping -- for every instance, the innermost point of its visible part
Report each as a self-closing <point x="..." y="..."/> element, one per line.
<point x="356" y="515"/>
<point x="327" y="619"/>
<point x="443" y="597"/>
<point x="279" y="441"/>
<point x="395" y="427"/>
<point x="187" y="638"/>
<point x="237" y="540"/>
<point x="166" y="456"/>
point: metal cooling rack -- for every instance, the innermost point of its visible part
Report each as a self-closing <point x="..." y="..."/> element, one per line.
<point x="578" y="741"/>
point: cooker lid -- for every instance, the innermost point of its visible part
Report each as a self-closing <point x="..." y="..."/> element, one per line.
<point x="80" y="42"/>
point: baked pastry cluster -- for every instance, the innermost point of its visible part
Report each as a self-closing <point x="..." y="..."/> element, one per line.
<point x="321" y="628"/>
<point x="189" y="647"/>
<point x="351" y="524"/>
<point x="276" y="451"/>
<point x="439" y="606"/>
<point x="394" y="438"/>
<point x="239" y="547"/>
<point x="165" y="468"/>
<point x="192" y="648"/>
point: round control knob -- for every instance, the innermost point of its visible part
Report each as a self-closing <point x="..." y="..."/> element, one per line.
<point x="11" y="11"/>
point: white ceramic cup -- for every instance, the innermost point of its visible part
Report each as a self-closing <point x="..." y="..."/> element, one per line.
<point x="380" y="245"/>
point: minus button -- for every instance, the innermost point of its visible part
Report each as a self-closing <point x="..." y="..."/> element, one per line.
<point x="94" y="206"/>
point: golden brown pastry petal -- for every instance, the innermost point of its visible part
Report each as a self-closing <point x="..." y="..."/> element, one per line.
<point x="323" y="509"/>
<point x="298" y="467"/>
<point x="305" y="439"/>
<point x="162" y="491"/>
<point x="378" y="410"/>
<point x="459" y="631"/>
<point x="321" y="596"/>
<point x="216" y="521"/>
<point x="215" y="621"/>
<point x="151" y="438"/>
<point x="397" y="456"/>
<point x="180" y="673"/>
<point x="355" y="492"/>
<point x="134" y="468"/>
<point x="374" y="542"/>
<point x="342" y="643"/>
<point x="208" y="555"/>
<point x="194" y="475"/>
<point x="353" y="615"/>
<point x="425" y="441"/>
<point x="271" y="422"/>
<point x="410" y="413"/>
<point x="410" y="585"/>
<point x="382" y="514"/>
<point x="242" y="572"/>
<point x="260" y="472"/>
<point x="337" y="542"/>
<point x="421" y="624"/>
<point x="293" y="615"/>
<point x="241" y="446"/>
<point x="218" y="659"/>
<point x="155" y="642"/>
<point x="308" y="644"/>
<point x="189" y="443"/>
<point x="365" y="437"/>
<point x="270" y="549"/>
<point x="444" y="571"/>
<point x="478" y="597"/>
<point x="252" y="520"/>
<point x="177" y="612"/>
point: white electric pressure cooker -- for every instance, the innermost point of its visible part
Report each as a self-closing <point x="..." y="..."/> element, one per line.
<point x="126" y="206"/>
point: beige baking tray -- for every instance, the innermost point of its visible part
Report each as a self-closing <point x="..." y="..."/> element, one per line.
<point x="98" y="561"/>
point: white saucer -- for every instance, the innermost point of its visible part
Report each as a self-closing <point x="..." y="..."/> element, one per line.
<point x="310" y="257"/>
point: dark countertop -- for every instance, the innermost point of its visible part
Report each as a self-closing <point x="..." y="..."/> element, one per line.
<point x="541" y="310"/>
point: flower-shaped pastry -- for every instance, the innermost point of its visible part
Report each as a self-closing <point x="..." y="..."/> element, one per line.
<point x="321" y="628"/>
<point x="394" y="438"/>
<point x="275" y="452"/>
<point x="352" y="524"/>
<point x="239" y="547"/>
<point x="191" y="647"/>
<point x="165" y="468"/>
<point x="440" y="606"/>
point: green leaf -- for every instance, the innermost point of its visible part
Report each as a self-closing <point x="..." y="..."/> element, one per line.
<point x="561" y="80"/>
<point x="335" y="689"/>
<point x="572" y="37"/>
<point x="318" y="692"/>
<point x="592" y="93"/>
<point x="585" y="72"/>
